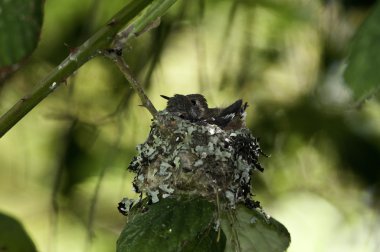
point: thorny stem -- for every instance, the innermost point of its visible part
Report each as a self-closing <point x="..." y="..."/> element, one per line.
<point x="100" y="41"/>
<point x="123" y="36"/>
<point x="81" y="55"/>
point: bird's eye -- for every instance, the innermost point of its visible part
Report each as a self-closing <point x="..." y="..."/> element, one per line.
<point x="194" y="102"/>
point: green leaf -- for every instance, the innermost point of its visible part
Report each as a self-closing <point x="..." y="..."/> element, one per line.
<point x="13" y="237"/>
<point x="209" y="240"/>
<point x="362" y="73"/>
<point x="20" y="26"/>
<point x="172" y="225"/>
<point x="255" y="232"/>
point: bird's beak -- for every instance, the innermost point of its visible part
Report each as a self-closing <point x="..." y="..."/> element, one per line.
<point x="165" y="97"/>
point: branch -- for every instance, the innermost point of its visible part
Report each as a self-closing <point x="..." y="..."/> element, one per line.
<point x="149" y="20"/>
<point x="90" y="48"/>
<point x="123" y="67"/>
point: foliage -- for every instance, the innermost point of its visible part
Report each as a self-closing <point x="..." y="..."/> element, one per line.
<point x="256" y="231"/>
<point x="172" y="225"/>
<point x="13" y="236"/>
<point x="285" y="58"/>
<point x="20" y="33"/>
<point x="190" y="224"/>
<point x="362" y="72"/>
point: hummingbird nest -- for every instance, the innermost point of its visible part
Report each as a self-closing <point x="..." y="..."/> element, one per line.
<point x="195" y="158"/>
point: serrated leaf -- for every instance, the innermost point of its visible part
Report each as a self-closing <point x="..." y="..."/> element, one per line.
<point x="255" y="232"/>
<point x="20" y="26"/>
<point x="362" y="73"/>
<point x="13" y="236"/>
<point x="172" y="225"/>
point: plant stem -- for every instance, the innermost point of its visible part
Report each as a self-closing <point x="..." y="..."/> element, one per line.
<point x="149" y="20"/>
<point x="123" y="67"/>
<point x="99" y="41"/>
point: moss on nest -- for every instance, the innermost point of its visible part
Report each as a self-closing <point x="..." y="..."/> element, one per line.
<point x="181" y="157"/>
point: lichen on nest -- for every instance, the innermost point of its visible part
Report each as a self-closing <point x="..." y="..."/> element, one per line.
<point x="196" y="158"/>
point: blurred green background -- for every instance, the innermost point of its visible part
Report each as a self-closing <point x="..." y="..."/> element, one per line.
<point x="63" y="167"/>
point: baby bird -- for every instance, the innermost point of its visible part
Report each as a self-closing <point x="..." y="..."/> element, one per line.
<point x="194" y="107"/>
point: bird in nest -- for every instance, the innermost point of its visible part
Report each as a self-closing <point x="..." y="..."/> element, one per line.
<point x="194" y="108"/>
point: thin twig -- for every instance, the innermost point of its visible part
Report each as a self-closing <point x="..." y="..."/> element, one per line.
<point x="144" y="24"/>
<point x="148" y="21"/>
<point x="123" y="67"/>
